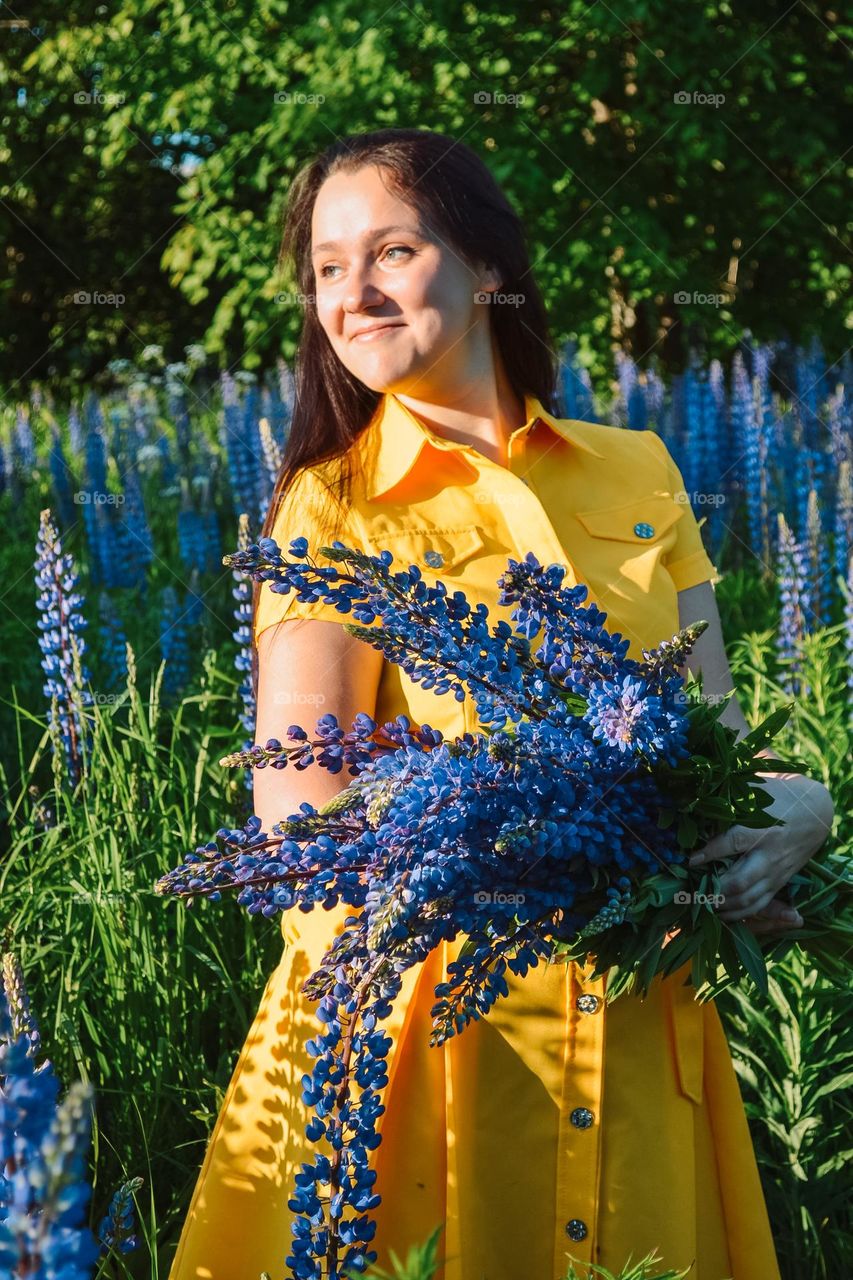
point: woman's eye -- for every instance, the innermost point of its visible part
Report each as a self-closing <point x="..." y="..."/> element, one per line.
<point x="394" y="248"/>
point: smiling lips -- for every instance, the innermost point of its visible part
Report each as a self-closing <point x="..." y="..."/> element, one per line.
<point x="376" y="331"/>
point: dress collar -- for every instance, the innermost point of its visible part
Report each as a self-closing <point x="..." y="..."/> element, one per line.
<point x="400" y="443"/>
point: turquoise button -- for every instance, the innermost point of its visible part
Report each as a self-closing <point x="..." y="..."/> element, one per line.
<point x="644" y="530"/>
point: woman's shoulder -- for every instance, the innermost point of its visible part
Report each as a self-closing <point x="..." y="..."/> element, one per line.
<point x="314" y="505"/>
<point x="622" y="444"/>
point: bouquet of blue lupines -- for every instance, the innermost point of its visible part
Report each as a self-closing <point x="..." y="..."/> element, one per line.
<point x="558" y="832"/>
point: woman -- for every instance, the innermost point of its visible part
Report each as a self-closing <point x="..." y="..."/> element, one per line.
<point x="558" y="1125"/>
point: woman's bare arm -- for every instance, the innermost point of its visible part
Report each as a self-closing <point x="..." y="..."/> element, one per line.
<point x="308" y="668"/>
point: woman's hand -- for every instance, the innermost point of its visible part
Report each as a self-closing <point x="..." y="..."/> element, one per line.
<point x="767" y="857"/>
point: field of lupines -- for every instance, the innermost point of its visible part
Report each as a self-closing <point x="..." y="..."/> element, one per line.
<point x="126" y="647"/>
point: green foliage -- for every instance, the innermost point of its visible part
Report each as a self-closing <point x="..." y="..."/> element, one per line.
<point x="422" y="1263"/>
<point x="149" y="1004"/>
<point x="630" y="197"/>
<point x="637" y="1271"/>
<point x="792" y="1051"/>
<point x="792" y="1054"/>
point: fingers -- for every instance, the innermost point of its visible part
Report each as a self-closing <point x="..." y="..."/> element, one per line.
<point x="762" y="927"/>
<point x="777" y="915"/>
<point x="750" y="900"/>
<point x="728" y="844"/>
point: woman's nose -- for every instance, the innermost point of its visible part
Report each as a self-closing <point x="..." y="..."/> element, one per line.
<point x="362" y="290"/>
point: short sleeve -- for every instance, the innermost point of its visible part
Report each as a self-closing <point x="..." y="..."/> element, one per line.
<point x="309" y="511"/>
<point x="687" y="562"/>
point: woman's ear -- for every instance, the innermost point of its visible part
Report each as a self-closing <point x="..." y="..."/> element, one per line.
<point x="490" y="280"/>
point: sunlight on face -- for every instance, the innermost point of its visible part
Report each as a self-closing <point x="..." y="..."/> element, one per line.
<point x="376" y="263"/>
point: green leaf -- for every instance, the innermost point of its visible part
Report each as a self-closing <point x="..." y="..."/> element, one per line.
<point x="750" y="955"/>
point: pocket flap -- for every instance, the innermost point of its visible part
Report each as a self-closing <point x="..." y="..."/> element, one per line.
<point x="411" y="546"/>
<point x="658" y="512"/>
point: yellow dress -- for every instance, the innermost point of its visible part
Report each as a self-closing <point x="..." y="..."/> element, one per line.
<point x="559" y="1125"/>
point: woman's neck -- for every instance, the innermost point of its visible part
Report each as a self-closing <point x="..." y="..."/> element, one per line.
<point x="483" y="420"/>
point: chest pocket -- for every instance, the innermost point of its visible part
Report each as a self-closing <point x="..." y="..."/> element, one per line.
<point x="654" y="516"/>
<point x="410" y="546"/>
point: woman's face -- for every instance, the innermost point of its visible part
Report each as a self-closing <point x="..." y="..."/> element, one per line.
<point x="376" y="263"/>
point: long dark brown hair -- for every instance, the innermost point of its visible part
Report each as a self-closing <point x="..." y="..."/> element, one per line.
<point x="454" y="193"/>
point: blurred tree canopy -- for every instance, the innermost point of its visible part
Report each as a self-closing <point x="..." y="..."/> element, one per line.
<point x="680" y="170"/>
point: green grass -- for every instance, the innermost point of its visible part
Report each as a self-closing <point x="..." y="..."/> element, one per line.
<point x="149" y="1001"/>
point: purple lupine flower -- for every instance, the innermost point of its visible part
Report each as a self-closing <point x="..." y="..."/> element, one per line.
<point x="820" y="586"/>
<point x="193" y="601"/>
<point x="766" y="429"/>
<point x="5" y="463"/>
<point x="44" y="1191"/>
<point x="231" y="441"/>
<point x="174" y="646"/>
<point x="719" y="453"/>
<point x="229" y="425"/>
<point x="722" y="431"/>
<point x="638" y="417"/>
<point x="62" y="644"/>
<point x="272" y="452"/>
<point x="61" y="476"/>
<point x="286" y="388"/>
<point x="118" y="547"/>
<point x="848" y="635"/>
<point x="840" y="420"/>
<point x="242" y="593"/>
<point x="89" y="496"/>
<point x="239" y="435"/>
<point x="708" y="438"/>
<point x="24" y="444"/>
<point x="693" y="469"/>
<point x="792" y="576"/>
<point x="136" y="535"/>
<point x="192" y="538"/>
<point x="747" y="434"/>
<point x="627" y="378"/>
<point x="96" y="448"/>
<point x="655" y="395"/>
<point x="846" y="376"/>
<point x="673" y="418"/>
<point x="119" y="442"/>
<point x="576" y="398"/>
<point x="113" y="643"/>
<point x="22" y="1021"/>
<point x="843" y="517"/>
<point x="116" y="1230"/>
<point x="627" y="716"/>
<point x="277" y="414"/>
<point x="257" y="479"/>
<point x="702" y="426"/>
<point x="803" y="483"/>
<point x="212" y="541"/>
<point x="176" y="393"/>
<point x="810" y="374"/>
<point x="76" y="436"/>
<point x="92" y="414"/>
<point x="170" y="476"/>
<point x="142" y="414"/>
